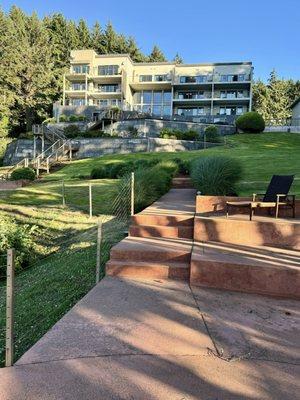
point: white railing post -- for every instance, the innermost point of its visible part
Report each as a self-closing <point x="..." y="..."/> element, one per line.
<point x="9" y="343"/>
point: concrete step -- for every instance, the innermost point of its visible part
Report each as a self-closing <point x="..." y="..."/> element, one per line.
<point x="162" y="220"/>
<point x="178" y="271"/>
<point x="261" y="231"/>
<point x="160" y="250"/>
<point x="184" y="232"/>
<point x="258" y="270"/>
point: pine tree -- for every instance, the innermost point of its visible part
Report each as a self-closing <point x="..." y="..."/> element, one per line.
<point x="97" y="39"/>
<point x="31" y="66"/>
<point x="84" y="36"/>
<point x="278" y="100"/>
<point x="134" y="51"/>
<point x="157" y="55"/>
<point x="261" y="99"/>
<point x="178" y="59"/>
<point x="110" y="39"/>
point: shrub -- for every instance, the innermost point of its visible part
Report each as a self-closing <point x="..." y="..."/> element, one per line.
<point x="19" y="237"/>
<point x="81" y="118"/>
<point x="190" y="135"/>
<point x="23" y="173"/>
<point x="133" y="132"/>
<point x="63" y="118"/>
<point x="216" y="175"/>
<point x="99" y="173"/>
<point x="212" y="134"/>
<point x="73" y="118"/>
<point x="72" y="131"/>
<point x="183" y="166"/>
<point x="49" y="121"/>
<point x="251" y="122"/>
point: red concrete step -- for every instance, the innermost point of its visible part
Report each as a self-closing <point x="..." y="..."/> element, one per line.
<point x="262" y="231"/>
<point x="162" y="220"/>
<point x="152" y="250"/>
<point x="178" y="271"/>
<point x="258" y="270"/>
<point x="184" y="232"/>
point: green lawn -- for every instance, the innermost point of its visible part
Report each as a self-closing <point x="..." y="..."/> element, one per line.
<point x="262" y="156"/>
<point x="64" y="267"/>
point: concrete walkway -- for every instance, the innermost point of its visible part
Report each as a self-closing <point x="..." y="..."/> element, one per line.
<point x="130" y="339"/>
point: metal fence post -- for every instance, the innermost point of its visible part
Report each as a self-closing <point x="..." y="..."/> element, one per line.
<point x="9" y="346"/>
<point x="90" y="200"/>
<point x="98" y="260"/>
<point x="132" y="194"/>
<point x="63" y="193"/>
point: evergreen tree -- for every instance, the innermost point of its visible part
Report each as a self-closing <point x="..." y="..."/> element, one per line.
<point x="178" y="59"/>
<point x="84" y="36"/>
<point x="278" y="100"/>
<point x="31" y="67"/>
<point x="260" y="99"/>
<point x="110" y="39"/>
<point x="97" y="39"/>
<point x="157" y="55"/>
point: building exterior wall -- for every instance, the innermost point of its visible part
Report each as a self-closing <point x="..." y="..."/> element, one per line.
<point x="162" y="88"/>
<point x="296" y="111"/>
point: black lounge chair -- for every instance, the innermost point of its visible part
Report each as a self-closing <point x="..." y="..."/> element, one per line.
<point x="275" y="197"/>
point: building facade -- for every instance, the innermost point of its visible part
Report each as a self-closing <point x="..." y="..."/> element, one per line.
<point x="163" y="89"/>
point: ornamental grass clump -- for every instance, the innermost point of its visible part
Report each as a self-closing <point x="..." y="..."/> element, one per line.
<point x="216" y="175"/>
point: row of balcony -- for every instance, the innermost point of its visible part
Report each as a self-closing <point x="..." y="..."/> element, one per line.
<point x="114" y="72"/>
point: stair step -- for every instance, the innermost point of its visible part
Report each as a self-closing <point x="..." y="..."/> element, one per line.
<point x="162" y="220"/>
<point x="182" y="183"/>
<point x="178" y="271"/>
<point x="185" y="232"/>
<point x="247" y="269"/>
<point x="152" y="250"/>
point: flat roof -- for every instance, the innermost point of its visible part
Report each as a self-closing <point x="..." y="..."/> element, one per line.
<point x="295" y="102"/>
<point x="170" y="62"/>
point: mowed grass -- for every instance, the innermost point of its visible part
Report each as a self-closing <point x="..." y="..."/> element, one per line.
<point x="262" y="155"/>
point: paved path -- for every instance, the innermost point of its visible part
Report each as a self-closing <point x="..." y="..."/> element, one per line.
<point x="130" y="339"/>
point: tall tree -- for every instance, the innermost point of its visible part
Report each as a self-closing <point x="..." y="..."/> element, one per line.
<point x="97" y="39"/>
<point x="84" y="36"/>
<point x="32" y="66"/>
<point x="157" y="55"/>
<point x="278" y="100"/>
<point x="110" y="39"/>
<point x="178" y="59"/>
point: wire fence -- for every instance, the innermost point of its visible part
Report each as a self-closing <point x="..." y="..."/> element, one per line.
<point x="43" y="293"/>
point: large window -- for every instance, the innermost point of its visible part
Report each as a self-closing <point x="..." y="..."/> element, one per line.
<point x="77" y="102"/>
<point x="196" y="79"/>
<point x="81" y="69"/>
<point x="107" y="102"/>
<point x="234" y="78"/>
<point x="108" y="70"/>
<point x="157" y="102"/>
<point x="191" y="95"/>
<point x="109" y="88"/>
<point x="231" y="110"/>
<point x="160" y="78"/>
<point x="190" y="111"/>
<point x="145" y="78"/>
<point x="78" y="86"/>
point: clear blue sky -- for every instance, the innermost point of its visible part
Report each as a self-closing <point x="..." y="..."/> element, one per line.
<point x="266" y="32"/>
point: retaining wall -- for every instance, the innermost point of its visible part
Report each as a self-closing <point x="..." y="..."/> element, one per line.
<point x="94" y="147"/>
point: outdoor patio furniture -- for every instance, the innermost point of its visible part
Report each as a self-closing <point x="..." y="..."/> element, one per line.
<point x="275" y="197"/>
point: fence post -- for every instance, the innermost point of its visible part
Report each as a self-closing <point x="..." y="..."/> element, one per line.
<point x="9" y="346"/>
<point x="90" y="200"/>
<point x="63" y="193"/>
<point x="132" y="194"/>
<point x="98" y="260"/>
